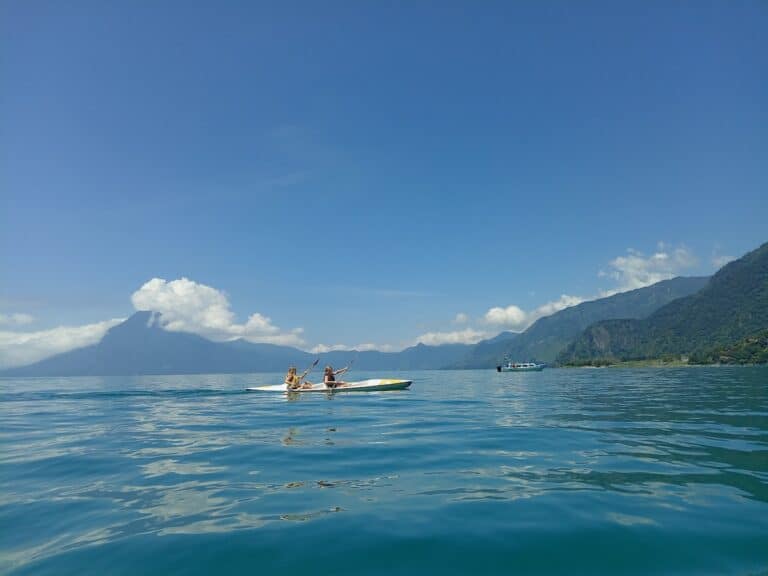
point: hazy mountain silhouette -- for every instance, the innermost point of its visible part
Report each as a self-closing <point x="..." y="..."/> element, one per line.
<point x="141" y="346"/>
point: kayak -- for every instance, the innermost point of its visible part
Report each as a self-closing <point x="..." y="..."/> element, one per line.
<point x="374" y="385"/>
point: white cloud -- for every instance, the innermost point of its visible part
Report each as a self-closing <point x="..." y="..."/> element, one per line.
<point x="636" y="270"/>
<point x="515" y="318"/>
<point x="565" y="301"/>
<point x="20" y="348"/>
<point x="511" y="316"/>
<point x="15" y="319"/>
<point x="720" y="261"/>
<point x="323" y="348"/>
<point x="467" y="336"/>
<point x="187" y="306"/>
<point x="366" y="347"/>
<point x="369" y="346"/>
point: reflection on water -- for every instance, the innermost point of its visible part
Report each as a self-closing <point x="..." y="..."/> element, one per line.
<point x="87" y="462"/>
<point x="310" y="516"/>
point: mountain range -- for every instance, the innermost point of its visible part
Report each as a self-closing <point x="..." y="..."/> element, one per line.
<point x="719" y="319"/>
<point x="140" y="345"/>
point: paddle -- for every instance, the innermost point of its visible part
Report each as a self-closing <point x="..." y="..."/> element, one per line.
<point x="308" y="370"/>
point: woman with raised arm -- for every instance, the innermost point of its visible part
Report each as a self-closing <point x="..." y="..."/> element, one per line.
<point x="329" y="377"/>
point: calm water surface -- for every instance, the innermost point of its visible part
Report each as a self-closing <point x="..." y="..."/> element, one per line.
<point x="559" y="472"/>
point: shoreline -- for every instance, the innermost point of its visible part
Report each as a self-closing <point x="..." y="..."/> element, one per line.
<point x="660" y="364"/>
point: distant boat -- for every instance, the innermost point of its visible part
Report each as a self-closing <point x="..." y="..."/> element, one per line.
<point x="520" y="367"/>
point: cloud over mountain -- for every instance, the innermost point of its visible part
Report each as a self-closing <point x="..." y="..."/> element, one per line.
<point x="19" y="348"/>
<point x="365" y="347"/>
<point x="514" y="318"/>
<point x="636" y="270"/>
<point x="187" y="306"/>
<point x="467" y="336"/>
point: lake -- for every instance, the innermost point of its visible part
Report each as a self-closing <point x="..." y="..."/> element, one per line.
<point x="565" y="471"/>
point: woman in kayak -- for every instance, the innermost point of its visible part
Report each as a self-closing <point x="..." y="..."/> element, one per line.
<point x="329" y="378"/>
<point x="294" y="381"/>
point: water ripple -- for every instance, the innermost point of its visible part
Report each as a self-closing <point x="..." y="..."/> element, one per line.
<point x="475" y="459"/>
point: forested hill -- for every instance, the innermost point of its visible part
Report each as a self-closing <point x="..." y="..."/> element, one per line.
<point x="733" y="306"/>
<point x="548" y="336"/>
<point x="750" y="350"/>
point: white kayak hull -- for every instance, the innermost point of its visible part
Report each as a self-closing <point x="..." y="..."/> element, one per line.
<point x="374" y="385"/>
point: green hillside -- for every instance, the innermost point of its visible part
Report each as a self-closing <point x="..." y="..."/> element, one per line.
<point x="750" y="350"/>
<point x="733" y="306"/>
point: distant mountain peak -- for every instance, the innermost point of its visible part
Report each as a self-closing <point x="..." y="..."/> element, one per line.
<point x="141" y="316"/>
<point x="139" y="322"/>
<point x="154" y="320"/>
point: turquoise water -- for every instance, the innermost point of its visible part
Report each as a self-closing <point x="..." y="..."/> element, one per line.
<point x="559" y="472"/>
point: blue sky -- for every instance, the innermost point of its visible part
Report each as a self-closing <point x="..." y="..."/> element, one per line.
<point x="362" y="172"/>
